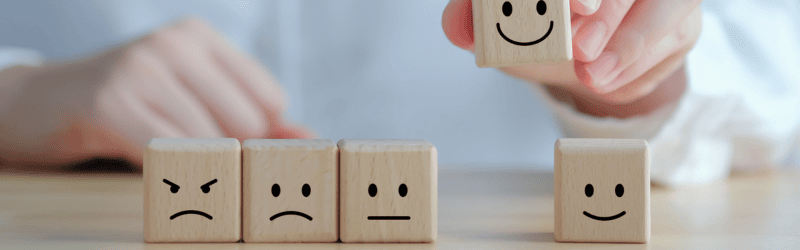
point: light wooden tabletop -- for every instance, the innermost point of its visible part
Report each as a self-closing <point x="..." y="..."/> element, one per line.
<point x="496" y="208"/>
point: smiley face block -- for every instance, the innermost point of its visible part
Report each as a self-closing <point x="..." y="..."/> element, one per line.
<point x="192" y="190"/>
<point x="602" y="190"/>
<point x="388" y="191"/>
<point x="290" y="191"/>
<point x="519" y="32"/>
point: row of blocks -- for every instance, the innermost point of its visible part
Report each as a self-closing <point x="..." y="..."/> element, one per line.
<point x="218" y="190"/>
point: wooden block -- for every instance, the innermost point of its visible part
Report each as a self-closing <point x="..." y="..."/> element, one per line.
<point x="519" y="32"/>
<point x="192" y="190"/>
<point x="602" y="190"/>
<point x="290" y="191"/>
<point x="388" y="191"/>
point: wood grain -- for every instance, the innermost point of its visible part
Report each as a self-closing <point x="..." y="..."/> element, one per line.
<point x="388" y="164"/>
<point x="589" y="175"/>
<point x="289" y="165"/>
<point x="191" y="164"/>
<point x="524" y="24"/>
<point x="480" y="207"/>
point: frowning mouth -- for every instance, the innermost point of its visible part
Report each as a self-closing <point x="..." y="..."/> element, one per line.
<point x="301" y="214"/>
<point x="603" y="218"/>
<point x="185" y="212"/>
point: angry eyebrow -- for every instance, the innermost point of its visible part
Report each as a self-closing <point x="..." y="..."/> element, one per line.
<point x="170" y="183"/>
<point x="209" y="183"/>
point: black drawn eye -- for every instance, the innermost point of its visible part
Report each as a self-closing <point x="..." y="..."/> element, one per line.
<point x="589" y="190"/>
<point x="507" y="9"/>
<point x="173" y="187"/>
<point x="207" y="187"/>
<point x="403" y="190"/>
<point x="373" y="190"/>
<point x="306" y="190"/>
<point x="541" y="7"/>
<point x="276" y="190"/>
<point x="619" y="190"/>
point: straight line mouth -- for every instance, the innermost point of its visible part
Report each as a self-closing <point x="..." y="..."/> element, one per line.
<point x="388" y="217"/>
<point x="185" y="212"/>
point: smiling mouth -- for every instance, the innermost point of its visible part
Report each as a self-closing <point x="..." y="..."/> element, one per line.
<point x="604" y="218"/>
<point x="388" y="217"/>
<point x="201" y="213"/>
<point x="528" y="43"/>
<point x="301" y="214"/>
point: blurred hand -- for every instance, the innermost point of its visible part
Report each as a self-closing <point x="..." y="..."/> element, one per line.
<point x="624" y="50"/>
<point x="180" y="81"/>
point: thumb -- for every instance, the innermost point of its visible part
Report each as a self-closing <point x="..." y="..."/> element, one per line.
<point x="457" y="24"/>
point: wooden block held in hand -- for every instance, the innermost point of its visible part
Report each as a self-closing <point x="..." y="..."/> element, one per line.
<point x="519" y="32"/>
<point x="388" y="191"/>
<point x="192" y="190"/>
<point x="602" y="190"/>
<point x="290" y="191"/>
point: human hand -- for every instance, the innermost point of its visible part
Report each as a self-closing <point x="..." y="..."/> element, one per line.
<point x="623" y="49"/>
<point x="181" y="81"/>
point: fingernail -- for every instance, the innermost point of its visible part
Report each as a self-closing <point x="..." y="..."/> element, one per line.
<point x="602" y="67"/>
<point x="590" y="4"/>
<point x="590" y="38"/>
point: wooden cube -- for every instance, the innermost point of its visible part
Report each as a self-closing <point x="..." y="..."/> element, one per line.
<point x="519" y="32"/>
<point x="290" y="191"/>
<point x="192" y="190"/>
<point x="388" y="191"/>
<point x="602" y="190"/>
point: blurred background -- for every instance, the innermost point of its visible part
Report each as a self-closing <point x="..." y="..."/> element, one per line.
<point x="352" y="69"/>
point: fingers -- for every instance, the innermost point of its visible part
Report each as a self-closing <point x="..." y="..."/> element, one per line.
<point x="194" y="64"/>
<point x="584" y="7"/>
<point x="172" y="101"/>
<point x="679" y="40"/>
<point x="457" y="24"/>
<point x="592" y="32"/>
<point x="647" y="22"/>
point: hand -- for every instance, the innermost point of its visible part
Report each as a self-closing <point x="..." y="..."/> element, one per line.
<point x="180" y="81"/>
<point x="623" y="49"/>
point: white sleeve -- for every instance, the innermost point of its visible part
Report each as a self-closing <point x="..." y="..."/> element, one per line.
<point x="741" y="109"/>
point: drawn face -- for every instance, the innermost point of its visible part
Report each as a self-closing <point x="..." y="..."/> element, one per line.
<point x="520" y="32"/>
<point x="602" y="192"/>
<point x="290" y="191"/>
<point x="276" y="191"/>
<point x="206" y="188"/>
<point x="192" y="190"/>
<point x="508" y="11"/>
<point x="402" y="191"/>
<point x="388" y="191"/>
<point x="619" y="190"/>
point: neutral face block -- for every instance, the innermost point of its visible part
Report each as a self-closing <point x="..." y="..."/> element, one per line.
<point x="290" y="191"/>
<point x="602" y="190"/>
<point x="520" y="32"/>
<point x="192" y="190"/>
<point x="388" y="191"/>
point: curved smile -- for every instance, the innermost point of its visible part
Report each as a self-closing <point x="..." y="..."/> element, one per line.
<point x="201" y="213"/>
<point x="301" y="214"/>
<point x="603" y="218"/>
<point x="528" y="43"/>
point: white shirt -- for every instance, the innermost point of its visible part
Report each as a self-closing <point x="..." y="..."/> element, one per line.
<point x="384" y="69"/>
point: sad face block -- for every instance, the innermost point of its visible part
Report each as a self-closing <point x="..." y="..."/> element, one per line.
<point x="602" y="190"/>
<point x="192" y="190"/>
<point x="519" y="32"/>
<point x="388" y="191"/>
<point x="290" y="191"/>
